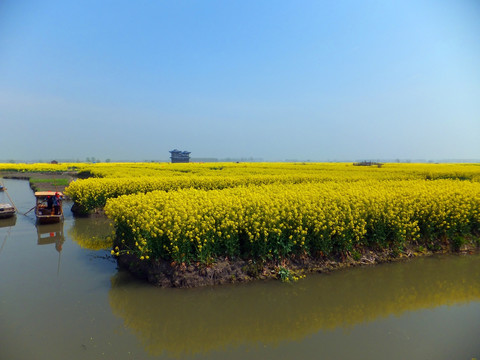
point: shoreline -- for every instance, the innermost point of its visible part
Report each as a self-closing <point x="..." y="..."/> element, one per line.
<point x="162" y="273"/>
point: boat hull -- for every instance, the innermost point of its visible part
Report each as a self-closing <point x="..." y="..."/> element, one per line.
<point x="6" y="211"/>
<point x="6" y="215"/>
<point x="49" y="219"/>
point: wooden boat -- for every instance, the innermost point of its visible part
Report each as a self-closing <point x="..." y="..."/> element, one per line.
<point x="6" y="211"/>
<point x="45" y="212"/>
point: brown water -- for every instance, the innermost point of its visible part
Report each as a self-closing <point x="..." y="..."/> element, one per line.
<point x="62" y="297"/>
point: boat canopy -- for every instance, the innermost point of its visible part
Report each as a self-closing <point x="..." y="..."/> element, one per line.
<point x="47" y="193"/>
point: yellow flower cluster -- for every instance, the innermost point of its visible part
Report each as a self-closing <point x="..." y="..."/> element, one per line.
<point x="277" y="220"/>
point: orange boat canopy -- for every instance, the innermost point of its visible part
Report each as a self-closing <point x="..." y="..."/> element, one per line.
<point x="47" y="193"/>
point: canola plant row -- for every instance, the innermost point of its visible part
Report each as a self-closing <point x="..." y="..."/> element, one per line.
<point x="113" y="180"/>
<point x="279" y="220"/>
<point x="93" y="193"/>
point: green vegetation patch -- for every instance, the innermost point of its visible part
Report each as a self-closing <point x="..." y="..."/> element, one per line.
<point x="55" y="182"/>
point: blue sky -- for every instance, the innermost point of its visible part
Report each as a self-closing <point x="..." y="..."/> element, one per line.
<point x="276" y="80"/>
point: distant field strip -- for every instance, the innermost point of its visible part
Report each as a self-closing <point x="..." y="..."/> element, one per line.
<point x="94" y="192"/>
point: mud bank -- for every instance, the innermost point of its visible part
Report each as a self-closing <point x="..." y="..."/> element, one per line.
<point x="224" y="271"/>
<point x="80" y="211"/>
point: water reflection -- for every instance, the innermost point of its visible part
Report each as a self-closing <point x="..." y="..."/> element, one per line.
<point x="192" y="321"/>
<point x="51" y="234"/>
<point x="8" y="222"/>
<point x="92" y="233"/>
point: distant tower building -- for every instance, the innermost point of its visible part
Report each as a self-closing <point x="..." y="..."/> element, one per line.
<point x="178" y="156"/>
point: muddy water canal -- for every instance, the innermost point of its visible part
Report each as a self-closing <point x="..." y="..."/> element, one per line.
<point x="62" y="297"/>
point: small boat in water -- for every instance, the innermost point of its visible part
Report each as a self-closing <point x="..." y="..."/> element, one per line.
<point x="6" y="211"/>
<point x="48" y="207"/>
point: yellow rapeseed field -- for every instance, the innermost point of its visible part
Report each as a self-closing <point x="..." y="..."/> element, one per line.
<point x="113" y="180"/>
<point x="199" y="212"/>
<point x="321" y="210"/>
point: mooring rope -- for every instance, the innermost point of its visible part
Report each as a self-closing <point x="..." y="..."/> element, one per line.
<point x="9" y="198"/>
<point x="13" y="204"/>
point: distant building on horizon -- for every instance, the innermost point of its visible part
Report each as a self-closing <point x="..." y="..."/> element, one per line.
<point x="178" y="156"/>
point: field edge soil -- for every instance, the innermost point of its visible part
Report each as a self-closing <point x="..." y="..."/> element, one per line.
<point x="167" y="274"/>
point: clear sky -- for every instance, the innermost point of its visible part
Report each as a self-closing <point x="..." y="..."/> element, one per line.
<point x="307" y="80"/>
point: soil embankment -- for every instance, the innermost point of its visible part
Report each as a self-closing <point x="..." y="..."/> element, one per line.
<point x="166" y="274"/>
